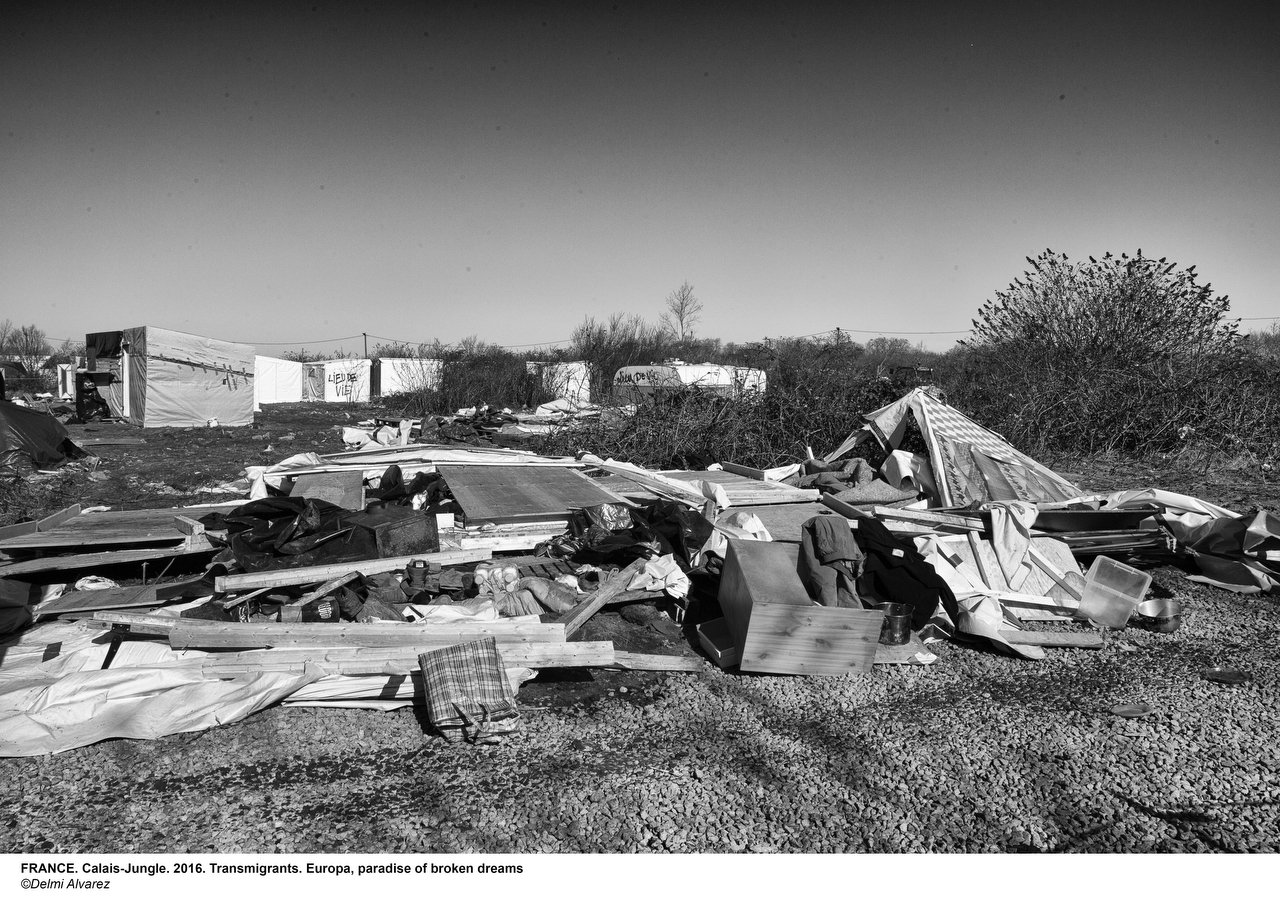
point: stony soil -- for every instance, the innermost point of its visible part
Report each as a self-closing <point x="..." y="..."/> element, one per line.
<point x="977" y="753"/>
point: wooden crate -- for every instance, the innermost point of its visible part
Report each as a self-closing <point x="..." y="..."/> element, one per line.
<point x="775" y="625"/>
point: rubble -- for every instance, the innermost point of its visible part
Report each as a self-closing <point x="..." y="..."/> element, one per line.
<point x="335" y="578"/>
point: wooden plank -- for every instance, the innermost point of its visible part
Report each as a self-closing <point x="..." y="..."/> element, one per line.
<point x="1048" y="567"/>
<point x="842" y="508"/>
<point x="1033" y="615"/>
<point x="507" y="543"/>
<point x="577" y="617"/>
<point x="123" y="528"/>
<point x="628" y="660"/>
<point x="99" y="559"/>
<point x="991" y="575"/>
<point x="929" y="518"/>
<point x="523" y="493"/>
<point x="746" y="490"/>
<point x="92" y="600"/>
<point x="293" y="610"/>
<point x="187" y="525"/>
<point x="749" y="472"/>
<point x="1090" y="640"/>
<point x="59" y="517"/>
<point x="654" y="483"/>
<point x="340" y="661"/>
<point x="314" y="574"/>
<point x="244" y="598"/>
<point x="350" y="635"/>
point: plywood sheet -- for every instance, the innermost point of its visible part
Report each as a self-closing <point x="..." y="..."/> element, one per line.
<point x="82" y="601"/>
<point x="1036" y="581"/>
<point x="344" y="488"/>
<point x="522" y="494"/>
<point x="145" y="527"/>
<point x="740" y="489"/>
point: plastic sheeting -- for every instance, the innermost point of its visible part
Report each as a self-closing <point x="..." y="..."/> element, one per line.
<point x="68" y="701"/>
<point x="37" y="436"/>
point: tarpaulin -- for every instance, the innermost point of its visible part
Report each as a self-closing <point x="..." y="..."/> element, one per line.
<point x="37" y="436"/>
<point x="68" y="701"/>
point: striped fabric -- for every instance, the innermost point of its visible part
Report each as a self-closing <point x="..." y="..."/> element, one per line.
<point x="468" y="695"/>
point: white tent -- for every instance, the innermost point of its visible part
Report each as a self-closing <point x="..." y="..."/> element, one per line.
<point x="164" y="378"/>
<point x="346" y="380"/>
<point x="564" y="380"/>
<point x="406" y="374"/>
<point x="276" y="380"/>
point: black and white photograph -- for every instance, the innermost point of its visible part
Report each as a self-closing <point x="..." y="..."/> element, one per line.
<point x="446" y="444"/>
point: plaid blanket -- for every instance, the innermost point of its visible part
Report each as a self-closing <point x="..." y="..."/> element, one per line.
<point x="468" y="696"/>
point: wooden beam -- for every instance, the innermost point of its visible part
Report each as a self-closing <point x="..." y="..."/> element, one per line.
<point x="1053" y="571"/>
<point x="59" y="517"/>
<point x="187" y="525"/>
<point x="352" y="636"/>
<point x="1089" y="640"/>
<point x="100" y="559"/>
<point x="293" y="611"/>
<point x="233" y="602"/>
<point x="930" y="518"/>
<point x="314" y="574"/>
<point x="843" y="509"/>
<point x="628" y="660"/>
<point x="578" y="616"/>
<point x="749" y="471"/>
<point x="975" y="545"/>
<point x="341" y="661"/>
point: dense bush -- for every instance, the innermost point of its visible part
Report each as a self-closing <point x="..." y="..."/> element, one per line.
<point x="1119" y="353"/>
<point x="694" y="428"/>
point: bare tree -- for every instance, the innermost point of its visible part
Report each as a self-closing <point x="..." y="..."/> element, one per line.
<point x="27" y="344"/>
<point x="682" y="312"/>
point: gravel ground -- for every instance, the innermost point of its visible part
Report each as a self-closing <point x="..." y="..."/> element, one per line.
<point x="978" y="753"/>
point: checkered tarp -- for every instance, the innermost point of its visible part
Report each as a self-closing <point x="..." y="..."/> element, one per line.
<point x="468" y="696"/>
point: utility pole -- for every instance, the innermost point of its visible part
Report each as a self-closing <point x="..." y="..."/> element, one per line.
<point x="366" y="343"/>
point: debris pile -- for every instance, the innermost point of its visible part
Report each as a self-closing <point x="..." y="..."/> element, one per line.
<point x="446" y="574"/>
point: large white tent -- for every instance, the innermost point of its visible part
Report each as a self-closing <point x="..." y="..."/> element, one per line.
<point x="276" y="380"/>
<point x="163" y="378"/>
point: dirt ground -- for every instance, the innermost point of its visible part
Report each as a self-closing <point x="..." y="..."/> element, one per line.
<point x="976" y="753"/>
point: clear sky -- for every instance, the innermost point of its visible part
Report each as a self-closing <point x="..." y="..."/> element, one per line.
<point x="288" y="172"/>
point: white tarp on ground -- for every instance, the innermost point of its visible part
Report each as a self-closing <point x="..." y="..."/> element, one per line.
<point x="408" y="374"/>
<point x="345" y="380"/>
<point x="55" y="696"/>
<point x="276" y="380"/>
